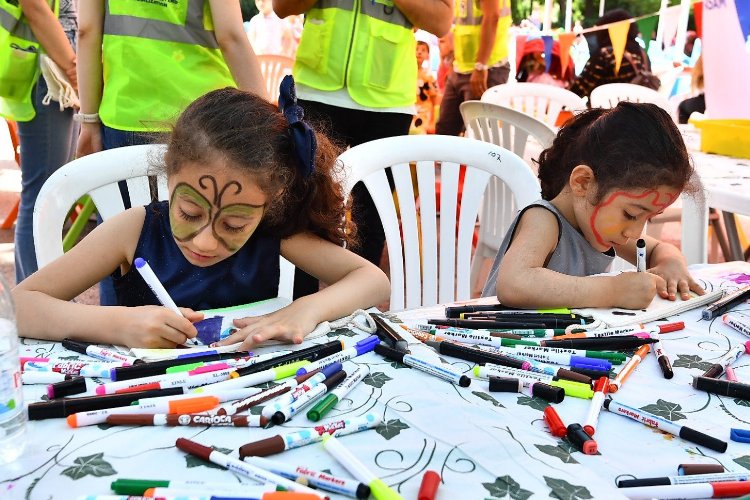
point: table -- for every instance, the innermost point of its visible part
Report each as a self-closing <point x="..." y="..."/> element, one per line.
<point x="726" y="185"/>
<point x="483" y="444"/>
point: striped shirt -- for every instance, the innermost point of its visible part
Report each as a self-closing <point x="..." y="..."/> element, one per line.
<point x="600" y="69"/>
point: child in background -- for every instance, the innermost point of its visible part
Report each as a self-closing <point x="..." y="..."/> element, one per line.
<point x="246" y="183"/>
<point x="606" y="174"/>
<point x="427" y="94"/>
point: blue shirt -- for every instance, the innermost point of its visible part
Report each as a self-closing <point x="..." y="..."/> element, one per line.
<point x="249" y="275"/>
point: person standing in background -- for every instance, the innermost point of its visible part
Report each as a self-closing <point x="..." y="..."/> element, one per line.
<point x="445" y="44"/>
<point x="268" y="34"/>
<point x="140" y="64"/>
<point x="47" y="138"/>
<point x="356" y="73"/>
<point x="480" y="39"/>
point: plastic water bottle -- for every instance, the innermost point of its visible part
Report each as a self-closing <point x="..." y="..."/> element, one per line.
<point x="12" y="411"/>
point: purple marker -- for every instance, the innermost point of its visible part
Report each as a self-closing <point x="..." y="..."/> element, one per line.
<point x="361" y="347"/>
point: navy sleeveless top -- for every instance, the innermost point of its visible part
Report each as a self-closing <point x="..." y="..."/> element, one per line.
<point x="250" y="275"/>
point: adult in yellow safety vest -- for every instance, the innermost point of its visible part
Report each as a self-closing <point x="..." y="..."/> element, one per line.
<point x="46" y="132"/>
<point x="356" y="72"/>
<point x="480" y="38"/>
<point x="141" y="63"/>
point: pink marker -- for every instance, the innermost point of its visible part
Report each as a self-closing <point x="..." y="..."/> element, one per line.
<point x="25" y="359"/>
<point x="194" y="378"/>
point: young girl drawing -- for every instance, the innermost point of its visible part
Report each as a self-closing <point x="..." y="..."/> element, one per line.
<point x="246" y="183"/>
<point x="607" y="173"/>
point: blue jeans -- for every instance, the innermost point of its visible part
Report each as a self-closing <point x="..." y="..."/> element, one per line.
<point x="47" y="142"/>
<point x="111" y="139"/>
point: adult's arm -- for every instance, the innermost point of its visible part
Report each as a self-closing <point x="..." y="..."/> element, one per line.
<point x="487" y="36"/>
<point x="434" y="16"/>
<point x="90" y="72"/>
<point x="236" y="48"/>
<point x="47" y="30"/>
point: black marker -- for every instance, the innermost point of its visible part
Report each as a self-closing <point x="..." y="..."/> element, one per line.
<point x="722" y="387"/>
<point x="726" y="303"/>
<point x="620" y="343"/>
<point x="389" y="335"/>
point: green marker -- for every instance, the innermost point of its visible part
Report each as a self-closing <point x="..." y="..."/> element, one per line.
<point x="185" y="368"/>
<point x="574" y="389"/>
<point x="137" y="487"/>
<point x="615" y="358"/>
<point x="331" y="399"/>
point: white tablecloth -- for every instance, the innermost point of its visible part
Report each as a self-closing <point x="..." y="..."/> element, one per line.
<point x="483" y="444"/>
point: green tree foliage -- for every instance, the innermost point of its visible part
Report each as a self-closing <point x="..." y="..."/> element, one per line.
<point x="586" y="11"/>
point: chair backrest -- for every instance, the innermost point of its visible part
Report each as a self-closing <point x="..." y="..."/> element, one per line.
<point x="510" y="129"/>
<point x="97" y="175"/>
<point x="274" y="68"/>
<point x="543" y="102"/>
<point x="431" y="263"/>
<point x="608" y="95"/>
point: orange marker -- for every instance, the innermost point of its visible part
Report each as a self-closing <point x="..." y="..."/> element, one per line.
<point x="175" y="406"/>
<point x="614" y="386"/>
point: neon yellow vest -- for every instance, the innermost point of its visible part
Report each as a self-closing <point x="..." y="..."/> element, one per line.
<point x="363" y="45"/>
<point x="467" y="32"/>
<point x="158" y="57"/>
<point x="19" y="62"/>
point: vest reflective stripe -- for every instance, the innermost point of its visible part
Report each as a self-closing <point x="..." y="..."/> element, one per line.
<point x="157" y="59"/>
<point x="154" y="29"/>
<point x="19" y="63"/>
<point x="363" y="45"/>
<point x="467" y="33"/>
<point x="20" y="28"/>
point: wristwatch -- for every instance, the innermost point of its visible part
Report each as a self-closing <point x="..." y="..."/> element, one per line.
<point x="86" y="118"/>
<point x="481" y="67"/>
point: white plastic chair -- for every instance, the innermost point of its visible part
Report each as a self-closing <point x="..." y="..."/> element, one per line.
<point x="608" y="95"/>
<point x="510" y="129"/>
<point x="97" y="175"/>
<point x="543" y="102"/>
<point x="274" y="68"/>
<point x="432" y="275"/>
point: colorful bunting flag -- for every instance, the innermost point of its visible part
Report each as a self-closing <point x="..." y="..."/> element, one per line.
<point x="618" y="35"/>
<point x="647" y="26"/>
<point x="547" y="39"/>
<point x="743" y="13"/>
<point x="565" y="40"/>
<point x="698" y="15"/>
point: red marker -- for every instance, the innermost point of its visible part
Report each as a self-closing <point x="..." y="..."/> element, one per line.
<point x="600" y="391"/>
<point x="554" y="422"/>
<point x="428" y="488"/>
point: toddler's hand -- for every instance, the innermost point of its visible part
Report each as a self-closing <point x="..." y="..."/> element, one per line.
<point x="677" y="279"/>
<point x="289" y="324"/>
<point x="636" y="290"/>
<point x="158" y="327"/>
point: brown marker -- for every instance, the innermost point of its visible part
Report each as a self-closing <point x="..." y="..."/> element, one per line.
<point x="192" y="420"/>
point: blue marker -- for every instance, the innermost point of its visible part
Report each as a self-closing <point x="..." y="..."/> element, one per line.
<point x="361" y="347"/>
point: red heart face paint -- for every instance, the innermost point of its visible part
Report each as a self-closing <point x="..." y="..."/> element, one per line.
<point x="622" y="214"/>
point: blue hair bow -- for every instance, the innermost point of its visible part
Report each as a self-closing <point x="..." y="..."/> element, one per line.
<point x="303" y="137"/>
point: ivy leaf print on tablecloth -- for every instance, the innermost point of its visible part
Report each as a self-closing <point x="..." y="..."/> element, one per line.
<point x="565" y="491"/>
<point x="341" y="331"/>
<point x="391" y="428"/>
<point x="377" y="379"/>
<point x="742" y="402"/>
<point x="487" y="397"/>
<point x="665" y="409"/>
<point x="90" y="465"/>
<point x="193" y="461"/>
<point x="398" y="365"/>
<point x="505" y="486"/>
<point x="536" y="403"/>
<point x="691" y="361"/>
<point x="744" y="461"/>
<point x="557" y="451"/>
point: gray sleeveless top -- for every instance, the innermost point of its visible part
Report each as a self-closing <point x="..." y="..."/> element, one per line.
<point x="573" y="255"/>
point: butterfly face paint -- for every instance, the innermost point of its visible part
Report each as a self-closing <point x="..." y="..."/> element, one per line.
<point x="622" y="214"/>
<point x="193" y="210"/>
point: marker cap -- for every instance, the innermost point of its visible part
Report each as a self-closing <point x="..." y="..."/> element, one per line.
<point x="573" y="376"/>
<point x="428" y="488"/>
<point x="593" y="373"/>
<point x="503" y="384"/>
<point x="575" y="389"/>
<point x="591" y="363"/>
<point x="671" y="327"/>
<point x="691" y="469"/>
<point x="554" y="422"/>
<point x="76" y="385"/>
<point x="136" y="487"/>
<point x="381" y="491"/>
<point x="581" y="440"/>
<point x="739" y="435"/>
<point x="322" y="407"/>
<point x="548" y="392"/>
<point x="714" y="371"/>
